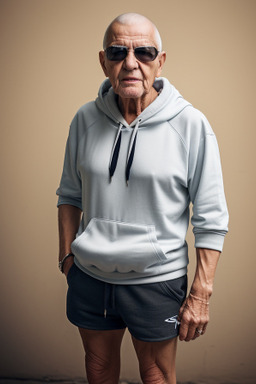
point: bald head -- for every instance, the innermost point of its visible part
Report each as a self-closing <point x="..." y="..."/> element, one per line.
<point x="132" y="19"/>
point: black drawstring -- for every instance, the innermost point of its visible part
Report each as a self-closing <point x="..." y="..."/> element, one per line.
<point x="130" y="160"/>
<point x="116" y="150"/>
<point x="112" y="166"/>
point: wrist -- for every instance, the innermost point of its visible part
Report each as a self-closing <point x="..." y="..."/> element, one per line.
<point x="202" y="291"/>
<point x="204" y="301"/>
<point x="67" y="259"/>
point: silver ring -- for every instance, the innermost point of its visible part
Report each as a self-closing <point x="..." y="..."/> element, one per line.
<point x="199" y="331"/>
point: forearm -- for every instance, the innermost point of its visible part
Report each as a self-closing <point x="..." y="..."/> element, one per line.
<point x="69" y="218"/>
<point x="207" y="260"/>
<point x="194" y="313"/>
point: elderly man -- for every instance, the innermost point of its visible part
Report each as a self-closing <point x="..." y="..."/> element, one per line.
<point x="135" y="159"/>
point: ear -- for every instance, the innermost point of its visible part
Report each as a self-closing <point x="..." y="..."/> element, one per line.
<point x="161" y="61"/>
<point x="102" y="62"/>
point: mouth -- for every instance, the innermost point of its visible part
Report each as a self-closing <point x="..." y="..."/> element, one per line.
<point x="130" y="80"/>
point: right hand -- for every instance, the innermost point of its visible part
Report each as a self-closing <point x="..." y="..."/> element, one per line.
<point x="67" y="265"/>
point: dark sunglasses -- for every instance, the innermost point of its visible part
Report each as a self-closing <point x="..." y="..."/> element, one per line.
<point x="143" y="54"/>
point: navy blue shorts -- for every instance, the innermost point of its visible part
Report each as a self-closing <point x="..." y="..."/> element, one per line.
<point x="149" y="311"/>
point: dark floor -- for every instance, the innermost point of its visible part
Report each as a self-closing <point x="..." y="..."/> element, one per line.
<point x="81" y="381"/>
<point x="60" y="381"/>
<point x="52" y="381"/>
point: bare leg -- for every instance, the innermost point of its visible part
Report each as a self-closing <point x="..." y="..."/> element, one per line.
<point x="102" y="355"/>
<point x="157" y="361"/>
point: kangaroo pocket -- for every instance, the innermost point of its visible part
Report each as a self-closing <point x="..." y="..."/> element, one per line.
<point x="113" y="246"/>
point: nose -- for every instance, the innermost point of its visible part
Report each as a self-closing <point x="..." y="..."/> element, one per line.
<point x="130" y="62"/>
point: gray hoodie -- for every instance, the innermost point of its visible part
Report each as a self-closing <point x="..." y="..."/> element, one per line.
<point x="134" y="184"/>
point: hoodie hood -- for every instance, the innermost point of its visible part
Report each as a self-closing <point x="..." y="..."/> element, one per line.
<point x="165" y="107"/>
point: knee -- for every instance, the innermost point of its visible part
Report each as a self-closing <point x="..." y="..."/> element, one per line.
<point x="99" y="370"/>
<point x="154" y="374"/>
<point x="96" y="368"/>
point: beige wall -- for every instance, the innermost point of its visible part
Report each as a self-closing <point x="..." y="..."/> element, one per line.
<point x="49" y="68"/>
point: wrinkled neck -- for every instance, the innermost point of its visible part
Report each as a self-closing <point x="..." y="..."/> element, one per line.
<point x="132" y="108"/>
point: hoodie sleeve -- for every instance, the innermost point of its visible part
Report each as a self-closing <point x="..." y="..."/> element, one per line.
<point x="69" y="191"/>
<point x="210" y="215"/>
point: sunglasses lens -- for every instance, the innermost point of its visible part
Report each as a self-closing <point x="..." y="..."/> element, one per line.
<point x="143" y="54"/>
<point x="116" y="53"/>
<point x="146" y="54"/>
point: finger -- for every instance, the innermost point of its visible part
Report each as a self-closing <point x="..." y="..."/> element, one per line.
<point x="201" y="329"/>
<point x="191" y="333"/>
<point x="183" y="331"/>
<point x="181" y="311"/>
<point x="198" y="332"/>
<point x="187" y="329"/>
<point x="187" y="326"/>
<point x="184" y="324"/>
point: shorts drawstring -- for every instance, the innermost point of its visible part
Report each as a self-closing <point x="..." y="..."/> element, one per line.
<point x="105" y="300"/>
<point x="109" y="297"/>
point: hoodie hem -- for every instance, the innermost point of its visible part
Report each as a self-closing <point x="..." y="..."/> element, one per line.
<point x="120" y="278"/>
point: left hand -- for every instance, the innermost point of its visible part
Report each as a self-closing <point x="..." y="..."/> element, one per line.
<point x="193" y="317"/>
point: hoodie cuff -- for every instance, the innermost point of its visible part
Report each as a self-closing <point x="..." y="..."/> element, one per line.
<point x="210" y="240"/>
<point x="76" y="202"/>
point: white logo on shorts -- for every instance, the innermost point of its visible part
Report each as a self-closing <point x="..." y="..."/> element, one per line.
<point x="174" y="320"/>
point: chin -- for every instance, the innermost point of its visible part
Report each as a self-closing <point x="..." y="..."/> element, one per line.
<point x="130" y="93"/>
